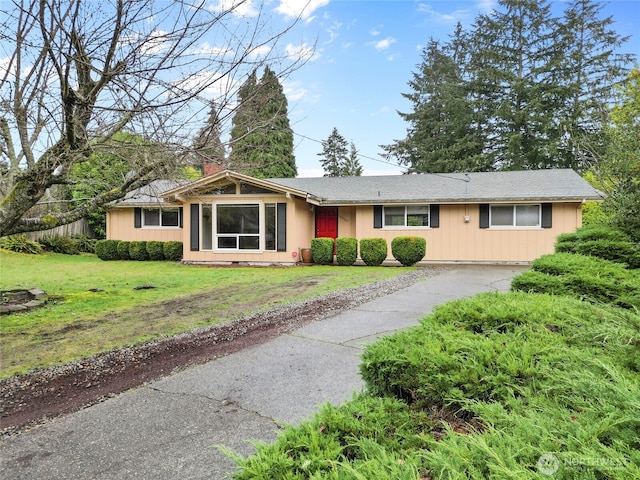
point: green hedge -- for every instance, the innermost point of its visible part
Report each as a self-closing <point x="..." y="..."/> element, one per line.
<point x="600" y="241"/>
<point x="322" y="250"/>
<point x="482" y="388"/>
<point x="590" y="278"/>
<point x="138" y="250"/>
<point x="107" y="249"/>
<point x="346" y="250"/>
<point x="155" y="250"/>
<point x="373" y="251"/>
<point x="123" y="250"/>
<point x="408" y="250"/>
<point x="173" y="251"/>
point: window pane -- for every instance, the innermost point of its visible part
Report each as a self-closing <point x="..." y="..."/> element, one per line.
<point x="502" y="215"/>
<point x="418" y="216"/>
<point x="270" y="226"/>
<point x="249" y="242"/>
<point x="527" y="215"/>
<point x="151" y="217"/>
<point x="227" y="242"/>
<point x="394" y="216"/>
<point x="170" y="218"/>
<point x="207" y="227"/>
<point x="238" y="219"/>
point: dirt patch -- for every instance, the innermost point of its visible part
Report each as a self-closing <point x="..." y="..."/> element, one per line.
<point x="32" y="399"/>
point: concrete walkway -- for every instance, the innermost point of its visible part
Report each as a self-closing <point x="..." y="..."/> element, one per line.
<point x="169" y="428"/>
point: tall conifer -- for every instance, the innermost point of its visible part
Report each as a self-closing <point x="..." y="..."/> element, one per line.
<point x="261" y="137"/>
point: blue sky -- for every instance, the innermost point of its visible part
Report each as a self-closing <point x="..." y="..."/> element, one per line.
<point x="366" y="52"/>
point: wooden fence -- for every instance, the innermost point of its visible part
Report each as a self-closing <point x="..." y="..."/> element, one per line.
<point x="79" y="227"/>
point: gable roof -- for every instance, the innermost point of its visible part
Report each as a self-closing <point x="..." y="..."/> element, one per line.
<point x="529" y="185"/>
<point x="149" y="195"/>
<point x="480" y="187"/>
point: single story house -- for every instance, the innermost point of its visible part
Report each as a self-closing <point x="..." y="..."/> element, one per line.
<point x="228" y="217"/>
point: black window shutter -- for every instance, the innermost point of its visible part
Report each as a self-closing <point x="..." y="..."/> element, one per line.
<point x="180" y="216"/>
<point x="137" y="217"/>
<point x="281" y="227"/>
<point x="435" y="216"/>
<point x="484" y="215"/>
<point x="377" y="216"/>
<point x="546" y="220"/>
<point x="195" y="227"/>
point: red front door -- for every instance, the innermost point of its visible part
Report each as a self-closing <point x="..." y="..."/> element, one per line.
<point x="326" y="222"/>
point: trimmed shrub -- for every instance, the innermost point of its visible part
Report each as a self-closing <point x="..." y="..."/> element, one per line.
<point x="155" y="250"/>
<point x="373" y="251"/>
<point x="322" y="250"/>
<point x="123" y="250"/>
<point x="138" y="250"/>
<point x="107" y="249"/>
<point x="59" y="244"/>
<point x="346" y="250"/>
<point x="616" y="251"/>
<point x="589" y="278"/>
<point x="408" y="250"/>
<point x="601" y="241"/>
<point x="173" y="251"/>
<point x="515" y="343"/>
<point x="20" y="244"/>
<point x="84" y="243"/>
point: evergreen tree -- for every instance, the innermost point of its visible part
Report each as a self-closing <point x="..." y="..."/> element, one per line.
<point x="589" y="70"/>
<point x="621" y="165"/>
<point x="520" y="90"/>
<point x="334" y="154"/>
<point x="261" y="137"/>
<point x="441" y="136"/>
<point x="207" y="146"/>
<point x="515" y="57"/>
<point x="352" y="167"/>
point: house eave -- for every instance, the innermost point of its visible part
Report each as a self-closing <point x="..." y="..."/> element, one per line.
<point x="197" y="187"/>
<point x="453" y="201"/>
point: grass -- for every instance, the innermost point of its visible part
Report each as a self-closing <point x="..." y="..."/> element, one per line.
<point x="94" y="307"/>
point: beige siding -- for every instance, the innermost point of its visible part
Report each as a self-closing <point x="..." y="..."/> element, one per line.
<point x="300" y="229"/>
<point x="120" y="227"/>
<point x="456" y="240"/>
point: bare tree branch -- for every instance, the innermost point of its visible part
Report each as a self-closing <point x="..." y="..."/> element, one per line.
<point x="80" y="72"/>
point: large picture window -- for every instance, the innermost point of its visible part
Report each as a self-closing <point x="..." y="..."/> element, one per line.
<point x="238" y="226"/>
<point x="407" y="216"/>
<point x="242" y="226"/>
<point x="514" y="216"/>
<point x="156" y="217"/>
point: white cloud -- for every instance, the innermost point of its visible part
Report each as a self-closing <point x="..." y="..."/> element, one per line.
<point x="206" y="49"/>
<point x="240" y="8"/>
<point x="460" y="15"/>
<point x="333" y="32"/>
<point x="374" y="32"/>
<point x="384" y="43"/>
<point x="300" y="8"/>
<point x="302" y="52"/>
<point x="294" y="91"/>
<point x="260" y="51"/>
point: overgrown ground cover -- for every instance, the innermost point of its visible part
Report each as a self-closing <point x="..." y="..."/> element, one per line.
<point x="507" y="386"/>
<point x="93" y="305"/>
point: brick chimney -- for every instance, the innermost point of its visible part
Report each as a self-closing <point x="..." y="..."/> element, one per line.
<point x="209" y="168"/>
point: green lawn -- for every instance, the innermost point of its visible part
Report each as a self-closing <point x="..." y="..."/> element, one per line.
<point x="93" y="305"/>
